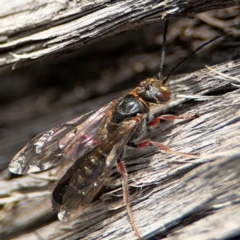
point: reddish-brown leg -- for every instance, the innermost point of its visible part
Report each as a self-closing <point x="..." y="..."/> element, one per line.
<point x="169" y="117"/>
<point x="126" y="198"/>
<point x="148" y="142"/>
<point x="145" y="144"/>
<point x="154" y="122"/>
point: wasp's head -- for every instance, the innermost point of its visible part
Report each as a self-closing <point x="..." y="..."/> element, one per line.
<point x="153" y="91"/>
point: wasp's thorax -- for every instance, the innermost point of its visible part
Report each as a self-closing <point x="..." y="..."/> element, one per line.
<point x="152" y="90"/>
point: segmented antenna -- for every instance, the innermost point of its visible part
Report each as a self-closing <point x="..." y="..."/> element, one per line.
<point x="159" y="75"/>
<point x="188" y="56"/>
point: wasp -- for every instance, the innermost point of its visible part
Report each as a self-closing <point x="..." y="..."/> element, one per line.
<point x="89" y="146"/>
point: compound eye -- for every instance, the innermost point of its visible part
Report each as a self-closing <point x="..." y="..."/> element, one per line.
<point x="163" y="96"/>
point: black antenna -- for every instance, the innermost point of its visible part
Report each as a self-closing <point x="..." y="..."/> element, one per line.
<point x="159" y="75"/>
<point x="188" y="56"/>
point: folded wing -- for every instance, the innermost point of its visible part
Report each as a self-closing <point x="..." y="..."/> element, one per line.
<point x="48" y="149"/>
<point x="82" y="181"/>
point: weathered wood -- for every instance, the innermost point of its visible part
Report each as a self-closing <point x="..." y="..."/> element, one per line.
<point x="164" y="196"/>
<point x="172" y="196"/>
<point x="35" y="29"/>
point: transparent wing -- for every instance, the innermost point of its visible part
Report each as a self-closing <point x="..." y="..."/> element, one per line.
<point x="82" y="181"/>
<point x="49" y="148"/>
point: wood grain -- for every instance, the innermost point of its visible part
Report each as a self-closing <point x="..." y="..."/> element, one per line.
<point x="165" y="196"/>
<point x="32" y="30"/>
<point x="173" y="197"/>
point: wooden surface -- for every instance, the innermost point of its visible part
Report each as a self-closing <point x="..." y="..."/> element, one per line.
<point x="173" y="197"/>
<point x="37" y="29"/>
<point x="168" y="198"/>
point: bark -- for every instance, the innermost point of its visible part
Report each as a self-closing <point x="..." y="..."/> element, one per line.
<point x="172" y="196"/>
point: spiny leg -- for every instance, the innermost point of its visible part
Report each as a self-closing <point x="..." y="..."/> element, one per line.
<point x="126" y="197"/>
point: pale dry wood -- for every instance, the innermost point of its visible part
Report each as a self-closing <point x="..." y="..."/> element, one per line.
<point x="32" y="30"/>
<point x="166" y="196"/>
<point x="37" y="111"/>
